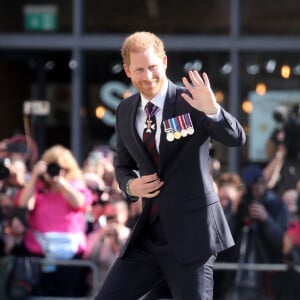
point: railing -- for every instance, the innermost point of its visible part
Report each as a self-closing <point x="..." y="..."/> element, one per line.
<point x="222" y="266"/>
<point x="47" y="261"/>
<point x="255" y="267"/>
<point x="95" y="272"/>
<point x="76" y="263"/>
<point x="259" y="267"/>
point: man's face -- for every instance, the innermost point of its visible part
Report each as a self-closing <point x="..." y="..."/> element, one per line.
<point x="147" y="72"/>
<point x="258" y="189"/>
<point x="229" y="195"/>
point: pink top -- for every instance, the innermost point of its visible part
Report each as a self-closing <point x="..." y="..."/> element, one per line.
<point x="52" y="213"/>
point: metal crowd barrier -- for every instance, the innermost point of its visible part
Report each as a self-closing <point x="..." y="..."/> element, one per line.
<point x="256" y="267"/>
<point x="260" y="267"/>
<point x="92" y="266"/>
<point x="217" y="266"/>
<point x="76" y="263"/>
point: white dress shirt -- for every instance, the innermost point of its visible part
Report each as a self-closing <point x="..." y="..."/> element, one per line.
<point x="158" y="100"/>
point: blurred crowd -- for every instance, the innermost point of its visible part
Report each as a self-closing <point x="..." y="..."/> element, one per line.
<point x="262" y="206"/>
<point x="53" y="208"/>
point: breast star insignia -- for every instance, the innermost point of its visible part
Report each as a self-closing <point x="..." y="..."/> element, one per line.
<point x="149" y="127"/>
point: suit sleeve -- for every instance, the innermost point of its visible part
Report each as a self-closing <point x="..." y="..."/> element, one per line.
<point x="228" y="130"/>
<point x="124" y="162"/>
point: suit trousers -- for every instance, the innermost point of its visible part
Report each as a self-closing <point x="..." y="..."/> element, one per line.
<point x="148" y="261"/>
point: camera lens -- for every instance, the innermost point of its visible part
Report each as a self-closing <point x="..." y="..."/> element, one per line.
<point x="4" y="171"/>
<point x="53" y="169"/>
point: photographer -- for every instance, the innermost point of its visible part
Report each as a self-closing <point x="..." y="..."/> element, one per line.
<point x="6" y="206"/>
<point x="283" y="170"/>
<point x="56" y="197"/>
<point x="13" y="173"/>
<point x="266" y="219"/>
<point x="105" y="243"/>
<point x="14" y="230"/>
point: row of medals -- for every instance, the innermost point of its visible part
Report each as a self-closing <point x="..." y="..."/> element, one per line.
<point x="172" y="133"/>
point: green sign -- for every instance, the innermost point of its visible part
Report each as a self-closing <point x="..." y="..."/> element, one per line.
<point x="40" y="17"/>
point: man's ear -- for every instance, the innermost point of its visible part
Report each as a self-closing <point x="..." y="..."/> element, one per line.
<point x="126" y="69"/>
<point x="165" y="61"/>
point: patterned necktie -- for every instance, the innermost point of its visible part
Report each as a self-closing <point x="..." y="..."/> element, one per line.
<point x="149" y="132"/>
<point x="150" y="144"/>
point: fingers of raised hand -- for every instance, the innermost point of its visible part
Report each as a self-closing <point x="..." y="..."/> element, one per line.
<point x="206" y="80"/>
<point x="187" y="84"/>
<point x="196" y="78"/>
<point x="187" y="98"/>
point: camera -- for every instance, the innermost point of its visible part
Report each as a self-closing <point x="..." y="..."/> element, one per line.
<point x="289" y="117"/>
<point x="4" y="170"/>
<point x="53" y="169"/>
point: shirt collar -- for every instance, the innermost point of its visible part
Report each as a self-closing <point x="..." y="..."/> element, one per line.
<point x="159" y="99"/>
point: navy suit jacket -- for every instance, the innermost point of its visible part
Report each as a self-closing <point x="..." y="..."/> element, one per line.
<point x="189" y="208"/>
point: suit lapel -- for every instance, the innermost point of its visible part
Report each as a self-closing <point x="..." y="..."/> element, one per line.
<point x="133" y="110"/>
<point x="168" y="112"/>
<point x="169" y="107"/>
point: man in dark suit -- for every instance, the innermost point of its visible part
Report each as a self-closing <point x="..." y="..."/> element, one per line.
<point x="182" y="226"/>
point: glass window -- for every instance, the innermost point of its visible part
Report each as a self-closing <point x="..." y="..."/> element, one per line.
<point x="106" y="85"/>
<point x="168" y="16"/>
<point x="270" y="90"/>
<point x="36" y="16"/>
<point x="270" y="17"/>
<point x="38" y="76"/>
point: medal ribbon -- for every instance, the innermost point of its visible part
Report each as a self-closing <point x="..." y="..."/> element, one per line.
<point x="182" y="126"/>
<point x="167" y="126"/>
<point x="151" y="113"/>
<point x="174" y="124"/>
<point x="188" y="120"/>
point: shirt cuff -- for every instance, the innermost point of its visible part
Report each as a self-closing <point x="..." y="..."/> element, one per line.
<point x="217" y="116"/>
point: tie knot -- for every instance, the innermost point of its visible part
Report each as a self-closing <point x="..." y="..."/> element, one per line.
<point x="149" y="107"/>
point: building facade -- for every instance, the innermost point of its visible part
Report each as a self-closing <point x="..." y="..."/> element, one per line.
<point x="66" y="54"/>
